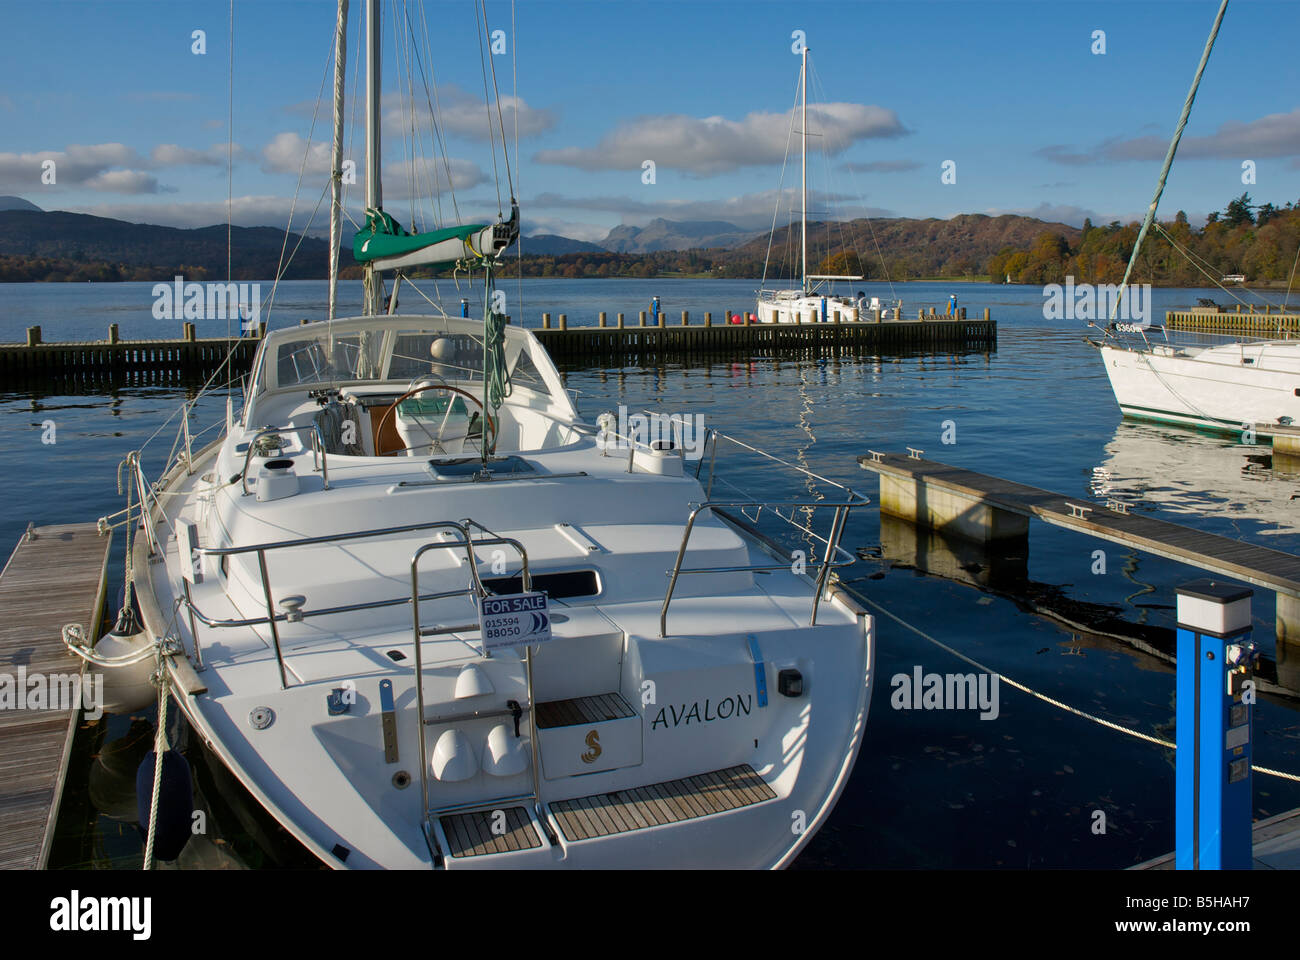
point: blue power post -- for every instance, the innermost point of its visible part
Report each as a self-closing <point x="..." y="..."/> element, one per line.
<point x="464" y="307"/>
<point x="1213" y="800"/>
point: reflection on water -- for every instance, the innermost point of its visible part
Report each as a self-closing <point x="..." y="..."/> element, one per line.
<point x="1197" y="476"/>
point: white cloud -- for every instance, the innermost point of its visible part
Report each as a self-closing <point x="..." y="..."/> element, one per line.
<point x="1274" y="135"/>
<point x="462" y="114"/>
<point x="712" y="145"/>
<point x="284" y="154"/>
<point x="110" y="167"/>
<point x="173" y="155"/>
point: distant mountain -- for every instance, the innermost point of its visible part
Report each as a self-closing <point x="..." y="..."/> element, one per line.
<point x="543" y="244"/>
<point x="661" y="234"/>
<point x="153" y="252"/>
<point x="17" y="203"/>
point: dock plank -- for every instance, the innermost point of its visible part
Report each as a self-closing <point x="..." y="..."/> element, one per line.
<point x="56" y="575"/>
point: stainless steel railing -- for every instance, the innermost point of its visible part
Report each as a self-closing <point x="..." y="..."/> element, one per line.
<point x="476" y="587"/>
<point x="835" y="556"/>
<point x="319" y="454"/>
<point x="272" y="619"/>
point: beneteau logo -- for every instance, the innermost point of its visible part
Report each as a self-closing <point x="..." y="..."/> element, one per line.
<point x="76" y="913"/>
<point x="52" y="691"/>
<point x="1090" y="301"/>
<point x="945" y="691"/>
<point x="181" y="300"/>
<point x="659" y="431"/>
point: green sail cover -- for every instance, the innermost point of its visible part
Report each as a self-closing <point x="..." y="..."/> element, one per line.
<point x="383" y="237"/>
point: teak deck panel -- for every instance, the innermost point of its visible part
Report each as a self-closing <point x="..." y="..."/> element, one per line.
<point x="580" y="710"/>
<point x="56" y="575"/>
<point x="689" y="798"/>
<point x="470" y="834"/>
<point x="1261" y="566"/>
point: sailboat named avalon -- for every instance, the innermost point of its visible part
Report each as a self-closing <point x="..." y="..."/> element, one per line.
<point x="430" y="618"/>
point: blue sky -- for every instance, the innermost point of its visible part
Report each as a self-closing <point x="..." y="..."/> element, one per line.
<point x="1011" y="92"/>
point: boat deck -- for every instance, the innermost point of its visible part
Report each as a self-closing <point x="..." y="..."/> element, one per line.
<point x="623" y="811"/>
<point x="56" y="575"/>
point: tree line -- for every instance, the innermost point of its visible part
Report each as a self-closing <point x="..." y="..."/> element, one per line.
<point x="1257" y="240"/>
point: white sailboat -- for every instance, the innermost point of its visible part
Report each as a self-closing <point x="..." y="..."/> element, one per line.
<point x="806" y="304"/>
<point x="430" y="618"/>
<point x="1233" y="386"/>
<point x="1219" y="383"/>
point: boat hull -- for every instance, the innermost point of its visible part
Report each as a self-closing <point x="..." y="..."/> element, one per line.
<point x="1225" y="389"/>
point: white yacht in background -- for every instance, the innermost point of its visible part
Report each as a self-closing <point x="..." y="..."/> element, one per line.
<point x="1232" y="384"/>
<point x="430" y="618"/>
<point x="1187" y="379"/>
<point x="806" y="305"/>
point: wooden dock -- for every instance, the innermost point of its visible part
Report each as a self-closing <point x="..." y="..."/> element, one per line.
<point x="988" y="509"/>
<point x="1268" y="322"/>
<point x="114" y="358"/>
<point x="575" y="344"/>
<point x="1275" y="845"/>
<point x="56" y="575"/>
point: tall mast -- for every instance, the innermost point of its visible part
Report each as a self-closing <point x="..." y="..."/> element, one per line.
<point x="803" y="221"/>
<point x="336" y="178"/>
<point x="374" y="201"/>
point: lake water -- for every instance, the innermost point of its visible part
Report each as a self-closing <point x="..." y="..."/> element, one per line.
<point x="931" y="789"/>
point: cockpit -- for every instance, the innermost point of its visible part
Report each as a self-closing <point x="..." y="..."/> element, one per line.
<point x="393" y="386"/>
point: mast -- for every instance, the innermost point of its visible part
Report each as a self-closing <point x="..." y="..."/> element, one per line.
<point x="374" y="200"/>
<point x="336" y="179"/>
<point x="803" y="205"/>
<point x="1169" y="159"/>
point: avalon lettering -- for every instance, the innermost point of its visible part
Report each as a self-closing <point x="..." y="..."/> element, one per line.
<point x="675" y="716"/>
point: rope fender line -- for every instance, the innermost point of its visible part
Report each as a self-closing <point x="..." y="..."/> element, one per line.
<point x="1110" y="724"/>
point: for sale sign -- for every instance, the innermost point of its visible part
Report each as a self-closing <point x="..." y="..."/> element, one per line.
<point x="513" y="620"/>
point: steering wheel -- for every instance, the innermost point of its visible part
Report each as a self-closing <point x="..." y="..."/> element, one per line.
<point x="379" y="431"/>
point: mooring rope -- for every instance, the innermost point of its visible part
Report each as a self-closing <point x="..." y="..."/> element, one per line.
<point x="1110" y="724"/>
<point x="159" y="748"/>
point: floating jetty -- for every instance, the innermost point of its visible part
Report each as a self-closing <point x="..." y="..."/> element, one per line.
<point x="607" y="338"/>
<point x="56" y="575"/>
<point x="1269" y="322"/>
<point x="989" y="509"/>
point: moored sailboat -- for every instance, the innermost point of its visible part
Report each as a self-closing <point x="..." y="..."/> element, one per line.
<point x="429" y="617"/>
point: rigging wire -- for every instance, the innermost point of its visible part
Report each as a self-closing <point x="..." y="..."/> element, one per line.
<point x="780" y="192"/>
<point x="282" y="266"/>
<point x="481" y="27"/>
<point x="230" y="159"/>
<point x="505" y="152"/>
<point x="514" y="88"/>
<point x="1287" y="298"/>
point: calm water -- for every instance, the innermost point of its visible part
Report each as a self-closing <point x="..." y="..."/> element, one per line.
<point x="931" y="788"/>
